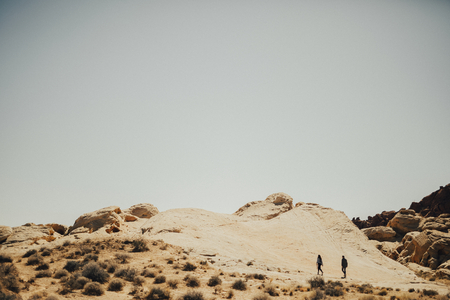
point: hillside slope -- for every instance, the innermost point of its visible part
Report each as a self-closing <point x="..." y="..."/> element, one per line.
<point x="289" y="242"/>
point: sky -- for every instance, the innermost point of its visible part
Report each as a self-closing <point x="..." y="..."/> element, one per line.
<point x="213" y="104"/>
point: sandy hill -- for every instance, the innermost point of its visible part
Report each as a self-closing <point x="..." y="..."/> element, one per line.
<point x="288" y="243"/>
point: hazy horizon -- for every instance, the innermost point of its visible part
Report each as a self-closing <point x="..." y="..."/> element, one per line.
<point x="211" y="105"/>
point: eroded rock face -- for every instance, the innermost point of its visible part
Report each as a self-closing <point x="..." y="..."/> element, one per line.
<point x="377" y="220"/>
<point x="268" y="209"/>
<point x="380" y="233"/>
<point x="430" y="248"/>
<point x="28" y="232"/>
<point x="405" y="221"/>
<point x="435" y="204"/>
<point x="440" y="223"/>
<point x="142" y="210"/>
<point x="5" y="232"/>
<point x="107" y="217"/>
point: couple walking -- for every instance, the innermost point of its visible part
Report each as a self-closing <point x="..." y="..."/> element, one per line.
<point x="344" y="265"/>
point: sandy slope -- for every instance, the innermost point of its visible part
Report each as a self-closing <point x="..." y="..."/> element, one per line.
<point x="290" y="242"/>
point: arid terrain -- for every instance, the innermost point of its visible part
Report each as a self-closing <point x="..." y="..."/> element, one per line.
<point x="266" y="249"/>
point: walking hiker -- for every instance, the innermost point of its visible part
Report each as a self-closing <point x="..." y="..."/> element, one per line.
<point x="344" y="266"/>
<point x="319" y="264"/>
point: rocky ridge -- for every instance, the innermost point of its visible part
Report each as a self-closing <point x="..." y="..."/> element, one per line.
<point x="418" y="237"/>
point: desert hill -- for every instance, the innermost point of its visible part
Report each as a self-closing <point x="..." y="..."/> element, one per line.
<point x="272" y="237"/>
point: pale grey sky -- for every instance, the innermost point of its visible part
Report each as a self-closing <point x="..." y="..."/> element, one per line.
<point x="213" y="104"/>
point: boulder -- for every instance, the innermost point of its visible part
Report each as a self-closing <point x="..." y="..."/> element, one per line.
<point x="273" y="206"/>
<point x="429" y="248"/>
<point x="142" y="210"/>
<point x="380" y="233"/>
<point x="105" y="217"/>
<point x="129" y="218"/>
<point x="440" y="223"/>
<point x="435" y="204"/>
<point x="61" y="229"/>
<point x="29" y="232"/>
<point x="405" y="221"/>
<point x="5" y="232"/>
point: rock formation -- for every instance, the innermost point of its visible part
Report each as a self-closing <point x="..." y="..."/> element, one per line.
<point x="424" y="232"/>
<point x="377" y="220"/>
<point x="108" y="216"/>
<point x="142" y="210"/>
<point x="5" y="232"/>
<point x="268" y="209"/>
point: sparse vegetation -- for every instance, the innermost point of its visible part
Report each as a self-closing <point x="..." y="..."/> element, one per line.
<point x="160" y="279"/>
<point x="9" y="277"/>
<point x="189" y="267"/>
<point x="140" y="246"/>
<point x="35" y="259"/>
<point x="94" y="272"/>
<point x="93" y="289"/>
<point x="29" y="253"/>
<point x="5" y="259"/>
<point x="122" y="258"/>
<point x="44" y="273"/>
<point x="272" y="290"/>
<point x="193" y="295"/>
<point x="192" y="281"/>
<point x="148" y="273"/>
<point x="172" y="283"/>
<point x="157" y="293"/>
<point x="239" y="285"/>
<point x="128" y="274"/>
<point x="261" y="297"/>
<point x="214" y="280"/>
<point x="316" y="282"/>
<point x="316" y="295"/>
<point x="72" y="265"/>
<point x="426" y="292"/>
<point x="116" y="285"/>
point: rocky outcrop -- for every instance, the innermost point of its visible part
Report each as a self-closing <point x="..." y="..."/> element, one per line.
<point x="380" y="233"/>
<point x="273" y="206"/>
<point x="441" y="223"/>
<point x="405" y="221"/>
<point x="430" y="248"/>
<point x="107" y="217"/>
<point x="30" y="232"/>
<point x="142" y="210"/>
<point x="5" y="232"/>
<point x="435" y="204"/>
<point x="377" y="220"/>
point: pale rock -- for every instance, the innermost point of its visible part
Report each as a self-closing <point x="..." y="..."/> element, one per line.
<point x="380" y="233"/>
<point x="270" y="208"/>
<point x="129" y="218"/>
<point x="5" y="232"/>
<point x="28" y="232"/>
<point x="443" y="273"/>
<point x="405" y="221"/>
<point x="142" y="210"/>
<point x="440" y="223"/>
<point x="105" y="217"/>
<point x="420" y="270"/>
<point x="59" y="228"/>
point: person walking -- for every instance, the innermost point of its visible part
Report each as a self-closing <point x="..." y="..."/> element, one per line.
<point x="319" y="265"/>
<point x="344" y="265"/>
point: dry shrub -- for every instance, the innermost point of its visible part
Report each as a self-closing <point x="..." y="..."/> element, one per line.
<point x="192" y="281"/>
<point x="365" y="288"/>
<point x="128" y="274"/>
<point x="35" y="259"/>
<point x="116" y="285"/>
<point x="9" y="278"/>
<point x="29" y="253"/>
<point x="193" y="295"/>
<point x="43" y="266"/>
<point x="160" y="279"/>
<point x="214" y="280"/>
<point x="5" y="259"/>
<point x="316" y="282"/>
<point x="38" y="296"/>
<point x="93" y="289"/>
<point x="271" y="290"/>
<point x="72" y="265"/>
<point x="148" y="273"/>
<point x="189" y="267"/>
<point x="94" y="272"/>
<point x="334" y="288"/>
<point x="173" y="283"/>
<point x="426" y="292"/>
<point x="316" y="295"/>
<point x="239" y="285"/>
<point x="44" y="273"/>
<point x="140" y="246"/>
<point x="109" y="265"/>
<point x="122" y="258"/>
<point x="157" y="293"/>
<point x="61" y="273"/>
<point x="76" y="282"/>
<point x="256" y="276"/>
